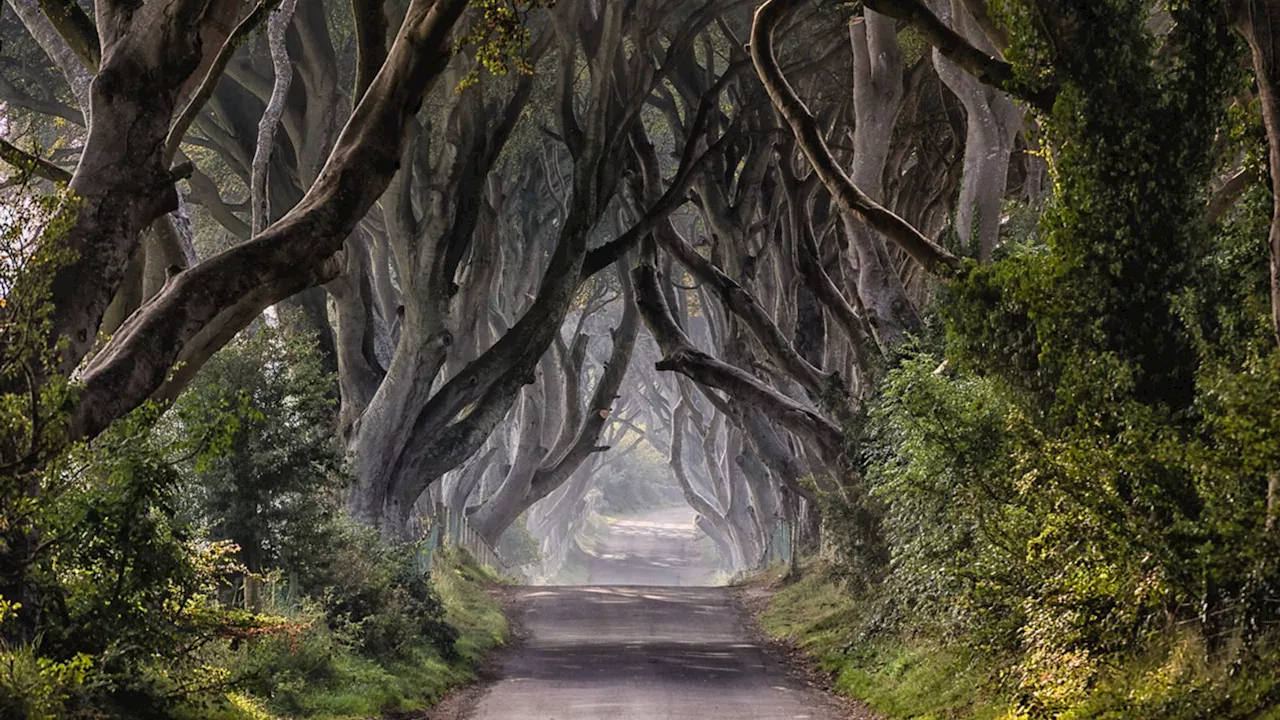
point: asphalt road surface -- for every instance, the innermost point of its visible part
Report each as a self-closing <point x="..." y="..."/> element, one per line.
<point x="641" y="652"/>
<point x="657" y="548"/>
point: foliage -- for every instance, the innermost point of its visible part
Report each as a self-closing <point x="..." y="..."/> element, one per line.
<point x="266" y="474"/>
<point x="943" y="470"/>
<point x="1087" y="476"/>
<point x="913" y="675"/>
<point x="640" y="481"/>
<point x="894" y="677"/>
<point x="265" y="471"/>
<point x="105" y="597"/>
<point x="33" y="397"/>
<point x="480" y="621"/>
<point x="123" y="592"/>
<point x="377" y="594"/>
<point x="518" y="547"/>
<point x="119" y="554"/>
<point x="320" y="671"/>
<point x="1032" y="549"/>
<point x="1132" y="136"/>
<point x="499" y="36"/>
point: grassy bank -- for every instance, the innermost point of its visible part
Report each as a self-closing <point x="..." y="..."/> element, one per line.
<point x="315" y="673"/>
<point x="897" y="678"/>
<point x="906" y="674"/>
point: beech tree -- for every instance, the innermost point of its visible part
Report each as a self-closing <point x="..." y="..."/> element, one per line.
<point x="814" y="197"/>
<point x="152" y="58"/>
<point x="417" y="235"/>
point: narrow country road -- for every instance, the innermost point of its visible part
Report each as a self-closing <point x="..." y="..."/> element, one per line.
<point x="642" y="651"/>
<point x="656" y="548"/>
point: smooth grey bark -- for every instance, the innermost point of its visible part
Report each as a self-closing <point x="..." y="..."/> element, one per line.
<point x="122" y="182"/>
<point x="990" y="70"/>
<point x="745" y="306"/>
<point x="467" y="479"/>
<point x="532" y="481"/>
<point x="763" y="494"/>
<point x="713" y="521"/>
<point x="283" y="72"/>
<point x="501" y="508"/>
<point x="359" y="373"/>
<point x="682" y="356"/>
<point x="809" y="137"/>
<point x="993" y="122"/>
<point x="203" y="307"/>
<point x="595" y="132"/>
<point x="388" y="407"/>
<point x="558" y="519"/>
<point x="744" y="520"/>
<point x="724" y="549"/>
<point x="713" y="435"/>
<point x="877" y="100"/>
<point x="843" y="313"/>
<point x="773" y="451"/>
<point x="426" y="242"/>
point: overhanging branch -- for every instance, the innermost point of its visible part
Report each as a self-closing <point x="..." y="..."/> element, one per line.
<point x="809" y="137"/>
<point x="214" y="74"/>
<point x="76" y="28"/>
<point x="290" y="253"/>
<point x="27" y="162"/>
<point x="989" y="70"/>
<point x="680" y="355"/>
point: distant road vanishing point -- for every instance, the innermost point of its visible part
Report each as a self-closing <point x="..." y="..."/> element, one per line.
<point x="641" y="644"/>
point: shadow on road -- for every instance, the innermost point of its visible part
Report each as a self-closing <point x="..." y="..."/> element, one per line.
<point x="647" y="640"/>
<point x="641" y="653"/>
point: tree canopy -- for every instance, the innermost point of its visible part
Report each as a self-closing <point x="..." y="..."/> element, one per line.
<point x="976" y="301"/>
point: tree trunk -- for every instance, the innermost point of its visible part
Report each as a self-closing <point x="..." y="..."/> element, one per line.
<point x="993" y="123"/>
<point x="1259" y="22"/>
<point x="808" y="134"/>
<point x="877" y="100"/>
<point x="203" y="307"/>
<point x="531" y="482"/>
<point x="744" y="521"/>
<point x="709" y="516"/>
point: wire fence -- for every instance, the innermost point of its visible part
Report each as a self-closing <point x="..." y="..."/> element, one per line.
<point x="451" y="529"/>
<point x="780" y="546"/>
<point x="276" y="592"/>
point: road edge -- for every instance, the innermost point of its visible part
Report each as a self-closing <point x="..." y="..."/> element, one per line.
<point x="751" y="600"/>
<point x="460" y="703"/>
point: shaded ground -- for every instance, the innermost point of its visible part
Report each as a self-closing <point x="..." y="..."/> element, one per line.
<point x="638" y="652"/>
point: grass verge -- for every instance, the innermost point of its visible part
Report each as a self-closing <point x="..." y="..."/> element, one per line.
<point x="896" y="679"/>
<point x="316" y="674"/>
<point x="911" y="676"/>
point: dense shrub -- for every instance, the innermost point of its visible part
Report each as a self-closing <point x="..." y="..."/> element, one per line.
<point x="123" y="592"/>
<point x="136" y="556"/>
<point x="267" y="475"/>
<point x="1087" y="477"/>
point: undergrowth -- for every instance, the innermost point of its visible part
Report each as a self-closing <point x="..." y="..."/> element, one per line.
<point x="318" y="674"/>
<point x="910" y="674"/>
